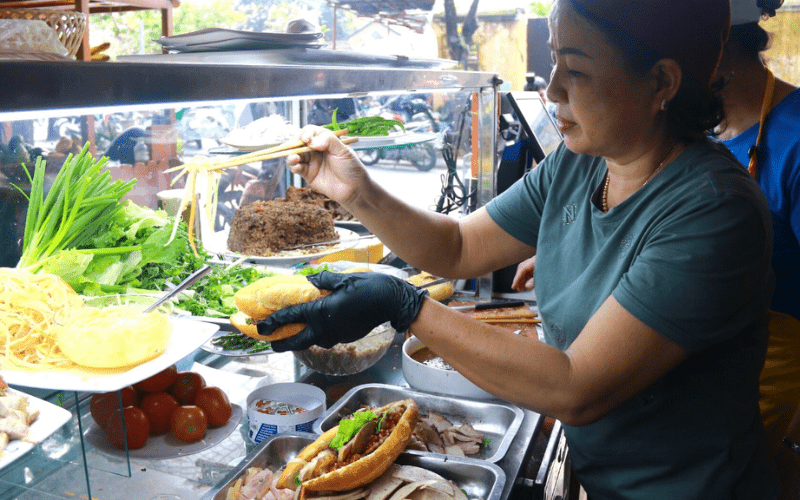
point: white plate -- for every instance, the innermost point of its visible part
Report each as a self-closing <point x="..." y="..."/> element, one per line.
<point x="187" y="335"/>
<point x="393" y="140"/>
<point x="219" y="245"/>
<point x="247" y="148"/>
<point x="51" y="418"/>
<point x="165" y="445"/>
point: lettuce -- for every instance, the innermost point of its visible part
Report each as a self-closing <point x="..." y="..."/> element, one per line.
<point x="349" y="426"/>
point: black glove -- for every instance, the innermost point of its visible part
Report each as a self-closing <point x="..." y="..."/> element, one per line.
<point x="359" y="303"/>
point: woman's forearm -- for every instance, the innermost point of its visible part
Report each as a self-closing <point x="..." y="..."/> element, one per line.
<point x="614" y="357"/>
<point x="532" y="378"/>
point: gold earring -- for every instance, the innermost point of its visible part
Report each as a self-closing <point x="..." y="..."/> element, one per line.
<point x="664" y="105"/>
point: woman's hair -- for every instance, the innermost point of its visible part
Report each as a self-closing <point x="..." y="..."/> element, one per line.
<point x="750" y="38"/>
<point x="694" y="111"/>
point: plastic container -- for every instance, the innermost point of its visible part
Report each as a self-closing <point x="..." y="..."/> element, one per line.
<point x="280" y="400"/>
<point x="350" y="358"/>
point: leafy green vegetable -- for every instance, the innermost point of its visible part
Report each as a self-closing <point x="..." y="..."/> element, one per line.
<point x="349" y="426"/>
<point x="79" y="204"/>
<point x="212" y="295"/>
<point x="366" y="126"/>
<point x="306" y="271"/>
<point x="239" y="341"/>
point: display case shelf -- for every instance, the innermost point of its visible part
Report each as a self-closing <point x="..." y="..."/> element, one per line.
<point x="161" y="99"/>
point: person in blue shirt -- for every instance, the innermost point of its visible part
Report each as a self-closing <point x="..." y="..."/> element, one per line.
<point x="762" y="119"/>
<point x="653" y="271"/>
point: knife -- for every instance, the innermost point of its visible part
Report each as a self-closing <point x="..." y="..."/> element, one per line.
<point x="497" y="304"/>
<point x="437" y="281"/>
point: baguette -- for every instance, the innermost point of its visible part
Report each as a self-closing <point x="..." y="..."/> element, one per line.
<point x="258" y="300"/>
<point x="440" y="292"/>
<point x="359" y="461"/>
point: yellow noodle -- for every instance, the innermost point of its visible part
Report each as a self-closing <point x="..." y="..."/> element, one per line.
<point x="28" y="305"/>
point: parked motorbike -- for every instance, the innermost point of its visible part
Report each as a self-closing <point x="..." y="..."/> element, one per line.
<point x="418" y="118"/>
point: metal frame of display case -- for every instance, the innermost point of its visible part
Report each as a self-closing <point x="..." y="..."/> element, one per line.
<point x="34" y="90"/>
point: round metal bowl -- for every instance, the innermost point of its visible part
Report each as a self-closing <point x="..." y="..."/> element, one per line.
<point x="350" y="358"/>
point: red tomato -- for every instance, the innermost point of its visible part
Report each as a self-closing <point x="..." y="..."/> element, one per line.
<point x="103" y="404"/>
<point x="186" y="386"/>
<point x="159" y="382"/>
<point x="158" y="406"/>
<point x="216" y="405"/>
<point x="188" y="423"/>
<point x="137" y="428"/>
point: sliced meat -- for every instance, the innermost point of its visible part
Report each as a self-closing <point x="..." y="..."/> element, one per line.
<point x="468" y="430"/>
<point x="359" y="442"/>
<point x="438" y="422"/>
<point x="454" y="450"/>
<point x="381" y="488"/>
<point x="469" y="448"/>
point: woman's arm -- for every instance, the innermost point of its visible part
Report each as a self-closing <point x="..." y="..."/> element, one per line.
<point x="615" y="357"/>
<point x="435" y="242"/>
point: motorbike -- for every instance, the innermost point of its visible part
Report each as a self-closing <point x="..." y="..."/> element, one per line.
<point x="418" y="118"/>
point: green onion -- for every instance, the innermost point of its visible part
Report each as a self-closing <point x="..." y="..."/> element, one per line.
<point x="81" y="201"/>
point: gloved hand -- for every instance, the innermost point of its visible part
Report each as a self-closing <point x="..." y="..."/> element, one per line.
<point x="358" y="303"/>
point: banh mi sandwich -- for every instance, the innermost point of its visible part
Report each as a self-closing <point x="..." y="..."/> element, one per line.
<point x="355" y="452"/>
<point x="261" y="298"/>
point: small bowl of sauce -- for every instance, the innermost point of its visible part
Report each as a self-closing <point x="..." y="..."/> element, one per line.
<point x="425" y="371"/>
<point x="287" y="407"/>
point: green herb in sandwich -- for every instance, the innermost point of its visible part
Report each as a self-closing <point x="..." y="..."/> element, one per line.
<point x="349" y="426"/>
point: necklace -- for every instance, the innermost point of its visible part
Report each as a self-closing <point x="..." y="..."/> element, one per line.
<point x="658" y="169"/>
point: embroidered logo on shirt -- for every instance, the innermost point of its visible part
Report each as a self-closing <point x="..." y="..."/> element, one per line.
<point x="570" y="214"/>
<point x="625" y="245"/>
<point x="556" y="334"/>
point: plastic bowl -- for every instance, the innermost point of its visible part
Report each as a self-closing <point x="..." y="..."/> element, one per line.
<point x="427" y="378"/>
<point x="354" y="357"/>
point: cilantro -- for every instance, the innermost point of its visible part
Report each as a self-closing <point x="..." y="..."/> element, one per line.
<point x="313" y="270"/>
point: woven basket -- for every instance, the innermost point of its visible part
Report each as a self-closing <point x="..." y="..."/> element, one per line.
<point x="69" y="25"/>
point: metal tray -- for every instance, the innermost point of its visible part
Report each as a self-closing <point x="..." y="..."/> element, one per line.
<point x="499" y="421"/>
<point x="478" y="478"/>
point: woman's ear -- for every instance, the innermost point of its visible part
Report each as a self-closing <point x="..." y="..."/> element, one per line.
<point x="666" y="76"/>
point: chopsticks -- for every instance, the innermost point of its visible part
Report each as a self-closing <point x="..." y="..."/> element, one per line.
<point x="279" y="151"/>
<point x="192" y="169"/>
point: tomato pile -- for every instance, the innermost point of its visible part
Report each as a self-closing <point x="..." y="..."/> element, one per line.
<point x="169" y="401"/>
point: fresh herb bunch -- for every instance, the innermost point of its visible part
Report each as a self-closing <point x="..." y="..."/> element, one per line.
<point x="368" y="126"/>
<point x="85" y="233"/>
<point x="212" y="295"/>
<point x="237" y="341"/>
<point x="80" y="202"/>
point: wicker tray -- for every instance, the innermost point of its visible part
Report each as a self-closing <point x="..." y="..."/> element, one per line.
<point x="70" y="25"/>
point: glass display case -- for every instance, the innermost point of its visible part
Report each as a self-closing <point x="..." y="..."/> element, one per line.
<point x="148" y="118"/>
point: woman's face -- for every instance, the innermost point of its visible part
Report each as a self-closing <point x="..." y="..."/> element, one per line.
<point x="602" y="109"/>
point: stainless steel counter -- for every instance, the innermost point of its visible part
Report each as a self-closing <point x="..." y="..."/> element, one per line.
<point x="389" y="371"/>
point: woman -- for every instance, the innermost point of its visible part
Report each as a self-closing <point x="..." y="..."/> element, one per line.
<point x="752" y="91"/>
<point x="653" y="250"/>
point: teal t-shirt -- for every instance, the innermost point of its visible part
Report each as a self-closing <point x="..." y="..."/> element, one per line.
<point x="689" y="255"/>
